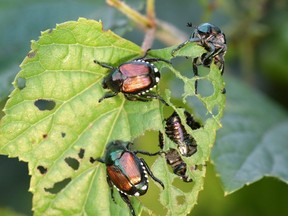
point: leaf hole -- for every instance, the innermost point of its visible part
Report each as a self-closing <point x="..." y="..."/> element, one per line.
<point x="58" y="186"/>
<point x="183" y="65"/>
<point x="81" y="153"/>
<point x="21" y="83"/>
<point x="205" y="88"/>
<point x="199" y="109"/>
<point x="203" y="71"/>
<point x="215" y="110"/>
<point x="182" y="185"/>
<point x="42" y="169"/>
<point x="200" y="167"/>
<point x="72" y="162"/>
<point x="43" y="104"/>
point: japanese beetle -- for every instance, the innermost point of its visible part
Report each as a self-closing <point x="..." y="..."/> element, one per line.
<point x="175" y="161"/>
<point x="186" y="144"/>
<point x="213" y="40"/>
<point x="127" y="172"/>
<point x="135" y="79"/>
<point x="177" y="133"/>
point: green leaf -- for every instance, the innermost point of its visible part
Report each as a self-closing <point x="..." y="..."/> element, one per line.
<point x="253" y="141"/>
<point x="54" y="122"/>
<point x="60" y="69"/>
<point x="179" y="198"/>
<point x="14" y="41"/>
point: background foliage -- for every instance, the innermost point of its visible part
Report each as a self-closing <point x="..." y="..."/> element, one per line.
<point x="253" y="33"/>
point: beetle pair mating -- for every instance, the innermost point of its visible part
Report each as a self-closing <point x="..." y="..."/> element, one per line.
<point x="135" y="79"/>
<point x="185" y="143"/>
<point x="213" y="40"/>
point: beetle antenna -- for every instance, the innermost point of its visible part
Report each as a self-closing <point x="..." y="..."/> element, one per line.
<point x="93" y="160"/>
<point x="189" y="24"/>
<point x="107" y="95"/>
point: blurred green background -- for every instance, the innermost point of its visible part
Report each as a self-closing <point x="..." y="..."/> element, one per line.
<point x="257" y="35"/>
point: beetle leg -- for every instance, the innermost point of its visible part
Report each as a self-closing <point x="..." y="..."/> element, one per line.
<point x="190" y="40"/>
<point x="136" y="97"/>
<point x="128" y="202"/>
<point x="155" y="96"/>
<point x="151" y="174"/>
<point x="151" y="59"/>
<point x="111" y="188"/>
<point x="103" y="65"/>
<point x="145" y="98"/>
<point x="179" y="47"/>
<point x="107" y="95"/>
<point x="161" y="140"/>
<point x="219" y="60"/>
<point x="195" y="71"/>
<point x="128" y="145"/>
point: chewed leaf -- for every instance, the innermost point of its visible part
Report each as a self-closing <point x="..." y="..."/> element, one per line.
<point x="54" y="121"/>
<point x="180" y="197"/>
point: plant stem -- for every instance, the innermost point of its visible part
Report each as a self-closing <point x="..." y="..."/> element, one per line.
<point x="141" y="21"/>
<point x="150" y="10"/>
<point x="150" y="33"/>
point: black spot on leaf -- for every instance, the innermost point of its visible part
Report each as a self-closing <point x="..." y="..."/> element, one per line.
<point x="58" y="186"/>
<point x="21" y="83"/>
<point x="223" y="91"/>
<point x="45" y="136"/>
<point x="81" y="153"/>
<point x="72" y="162"/>
<point x="42" y="169"/>
<point x="63" y="134"/>
<point x="43" y="104"/>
